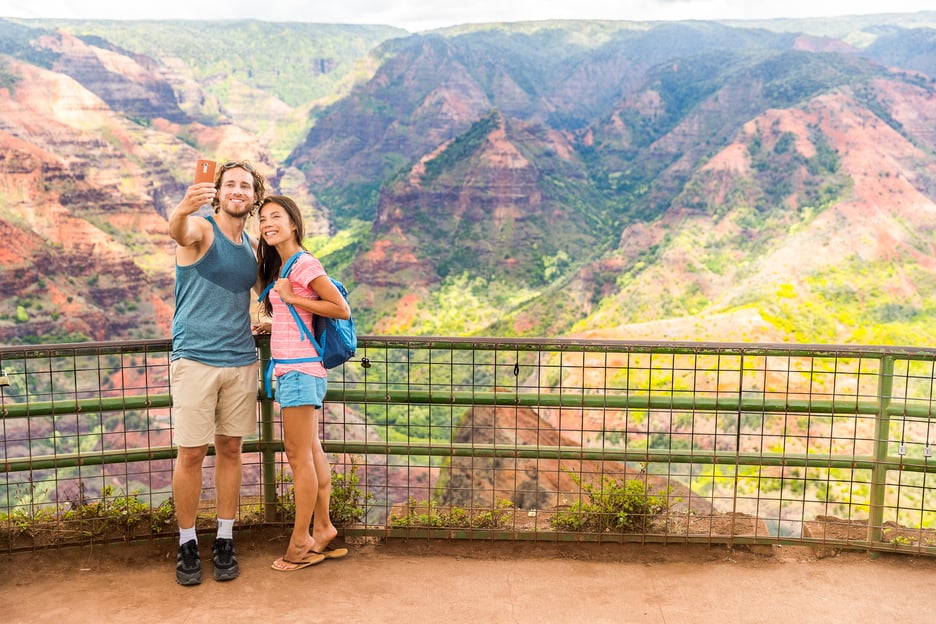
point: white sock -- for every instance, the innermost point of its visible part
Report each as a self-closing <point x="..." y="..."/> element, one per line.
<point x="187" y="535"/>
<point x="226" y="528"/>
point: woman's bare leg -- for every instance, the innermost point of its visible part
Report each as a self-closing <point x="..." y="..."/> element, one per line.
<point x="323" y="531"/>
<point x="300" y="437"/>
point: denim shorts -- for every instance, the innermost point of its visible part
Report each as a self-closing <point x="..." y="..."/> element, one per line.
<point x="295" y="389"/>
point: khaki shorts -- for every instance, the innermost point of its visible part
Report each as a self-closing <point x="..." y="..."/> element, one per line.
<point x="212" y="400"/>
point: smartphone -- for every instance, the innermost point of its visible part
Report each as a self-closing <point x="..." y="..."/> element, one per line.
<point x="205" y="171"/>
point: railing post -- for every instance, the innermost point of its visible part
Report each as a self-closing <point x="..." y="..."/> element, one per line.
<point x="880" y="452"/>
<point x="267" y="449"/>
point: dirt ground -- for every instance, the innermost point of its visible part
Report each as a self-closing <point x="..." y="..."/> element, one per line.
<point x="417" y="581"/>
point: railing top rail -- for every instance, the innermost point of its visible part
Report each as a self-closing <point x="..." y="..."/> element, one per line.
<point x="518" y="344"/>
<point x="84" y="348"/>
<point x="668" y="346"/>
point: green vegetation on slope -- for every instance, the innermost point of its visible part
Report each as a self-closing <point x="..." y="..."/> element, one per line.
<point x="296" y="62"/>
<point x="8" y="79"/>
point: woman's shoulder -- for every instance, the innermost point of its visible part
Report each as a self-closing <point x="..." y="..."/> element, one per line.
<point x="309" y="267"/>
<point x="308" y="260"/>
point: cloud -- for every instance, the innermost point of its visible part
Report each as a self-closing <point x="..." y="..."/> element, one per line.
<point x="419" y="15"/>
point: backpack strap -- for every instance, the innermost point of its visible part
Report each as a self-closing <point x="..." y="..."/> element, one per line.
<point x="268" y="373"/>
<point x="304" y="331"/>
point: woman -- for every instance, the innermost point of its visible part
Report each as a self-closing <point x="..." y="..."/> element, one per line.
<point x="300" y="383"/>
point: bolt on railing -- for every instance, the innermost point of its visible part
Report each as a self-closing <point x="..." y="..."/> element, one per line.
<point x="520" y="439"/>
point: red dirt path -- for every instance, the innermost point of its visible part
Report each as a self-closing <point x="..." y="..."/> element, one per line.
<point x="416" y="581"/>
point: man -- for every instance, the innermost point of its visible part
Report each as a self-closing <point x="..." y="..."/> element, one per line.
<point x="213" y="371"/>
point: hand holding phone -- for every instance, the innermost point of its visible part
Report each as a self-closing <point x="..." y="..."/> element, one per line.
<point x="205" y="171"/>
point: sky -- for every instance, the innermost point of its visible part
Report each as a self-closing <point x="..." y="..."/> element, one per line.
<point x="421" y="15"/>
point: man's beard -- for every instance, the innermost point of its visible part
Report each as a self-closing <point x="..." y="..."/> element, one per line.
<point x="237" y="211"/>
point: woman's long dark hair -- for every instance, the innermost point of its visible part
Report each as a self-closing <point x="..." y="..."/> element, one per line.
<point x="269" y="262"/>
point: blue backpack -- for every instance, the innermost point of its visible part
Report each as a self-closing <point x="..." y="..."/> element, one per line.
<point x="335" y="340"/>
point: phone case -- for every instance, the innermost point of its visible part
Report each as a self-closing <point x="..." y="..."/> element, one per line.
<point x="205" y="171"/>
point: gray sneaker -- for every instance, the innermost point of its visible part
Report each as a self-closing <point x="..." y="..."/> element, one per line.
<point x="188" y="564"/>
<point x="225" y="563"/>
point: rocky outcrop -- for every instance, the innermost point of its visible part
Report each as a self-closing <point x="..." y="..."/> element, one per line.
<point x="87" y="236"/>
<point x="86" y="192"/>
<point x="479" y="201"/>
<point x="527" y="483"/>
<point x="132" y="84"/>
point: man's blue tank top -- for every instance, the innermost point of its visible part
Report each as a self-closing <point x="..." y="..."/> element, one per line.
<point x="211" y="323"/>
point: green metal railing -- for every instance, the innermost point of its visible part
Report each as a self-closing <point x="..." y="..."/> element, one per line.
<point x="747" y="444"/>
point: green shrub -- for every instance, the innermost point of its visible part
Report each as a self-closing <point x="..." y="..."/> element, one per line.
<point x="431" y="515"/>
<point x="611" y="505"/>
<point x="347" y="500"/>
<point x="163" y="517"/>
<point x="123" y="511"/>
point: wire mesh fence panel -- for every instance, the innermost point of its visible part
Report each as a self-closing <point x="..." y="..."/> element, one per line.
<point x="626" y="441"/>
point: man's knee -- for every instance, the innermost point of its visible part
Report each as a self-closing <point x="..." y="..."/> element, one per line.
<point x="191" y="457"/>
<point x="228" y="447"/>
